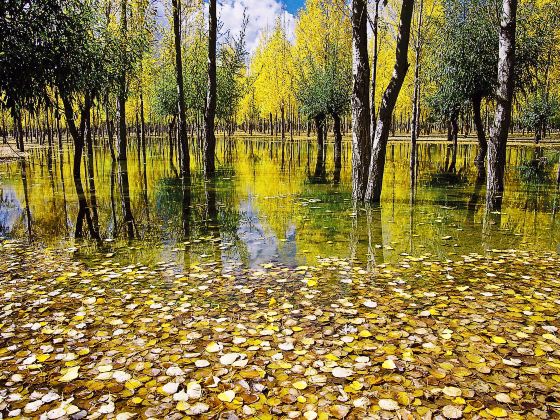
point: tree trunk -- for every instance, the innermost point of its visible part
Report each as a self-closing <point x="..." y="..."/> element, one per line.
<point x="337" y="146"/>
<point x="125" y="199"/>
<point x="109" y="130"/>
<point x="142" y="127"/>
<point x="78" y="137"/>
<point x="320" y="164"/>
<point x="502" y="117"/>
<point x="210" y="113"/>
<point x="185" y="158"/>
<point x="480" y="134"/>
<point x="360" y="99"/>
<point x="282" y="122"/>
<point x="416" y="98"/>
<point x="374" y="66"/>
<point x="454" y="136"/>
<point x="121" y="97"/>
<point x="377" y="163"/>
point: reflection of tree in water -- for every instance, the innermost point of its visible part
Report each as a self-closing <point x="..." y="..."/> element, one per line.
<point x="128" y="218"/>
<point x="537" y="170"/>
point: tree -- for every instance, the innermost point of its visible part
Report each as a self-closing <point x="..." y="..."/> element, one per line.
<point x="540" y="111"/>
<point x="185" y="158"/>
<point x="323" y="69"/>
<point x="122" y="85"/>
<point x="379" y="144"/>
<point x="463" y="61"/>
<point x="210" y="111"/>
<point x="502" y="117"/>
<point x="27" y="40"/>
<point x="360" y="100"/>
<point x="272" y="67"/>
<point x="416" y="96"/>
<point x="231" y="80"/>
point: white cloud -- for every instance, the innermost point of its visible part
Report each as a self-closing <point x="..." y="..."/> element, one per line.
<point x="261" y="16"/>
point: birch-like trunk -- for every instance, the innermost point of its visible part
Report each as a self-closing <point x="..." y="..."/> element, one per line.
<point x="502" y="117"/>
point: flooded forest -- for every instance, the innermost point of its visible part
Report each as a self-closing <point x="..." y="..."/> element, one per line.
<point x="304" y="209"/>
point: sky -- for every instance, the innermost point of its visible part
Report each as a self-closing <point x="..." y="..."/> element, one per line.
<point x="292" y="6"/>
<point x="261" y="13"/>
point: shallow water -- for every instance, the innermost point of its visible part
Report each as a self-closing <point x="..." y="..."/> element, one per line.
<point x="266" y="206"/>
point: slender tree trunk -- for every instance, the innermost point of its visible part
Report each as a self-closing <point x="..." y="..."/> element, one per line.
<point x="185" y="158"/>
<point x="479" y="126"/>
<point x="374" y="66"/>
<point x="454" y="136"/>
<point x="90" y="171"/>
<point x="210" y="112"/>
<point x="125" y="199"/>
<point x="282" y="122"/>
<point x="379" y="147"/>
<point x="121" y="96"/>
<point x="416" y="97"/>
<point x="109" y="130"/>
<point x="337" y="146"/>
<point x="360" y="99"/>
<point x="142" y="127"/>
<point x="78" y="137"/>
<point x="57" y="116"/>
<point x="19" y="131"/>
<point x="319" y="164"/>
<point x="502" y="117"/>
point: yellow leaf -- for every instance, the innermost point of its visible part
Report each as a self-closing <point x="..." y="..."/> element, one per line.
<point x="70" y="375"/>
<point x="497" y="411"/>
<point x="227" y="396"/>
<point x="133" y="384"/>
<point x="300" y="385"/>
<point x="389" y="364"/>
<point x="214" y="347"/>
<point x="499" y="340"/>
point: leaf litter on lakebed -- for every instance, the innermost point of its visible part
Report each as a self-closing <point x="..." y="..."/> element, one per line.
<point x="470" y="338"/>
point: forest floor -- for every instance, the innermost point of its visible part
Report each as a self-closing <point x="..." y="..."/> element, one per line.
<point x="476" y="338"/>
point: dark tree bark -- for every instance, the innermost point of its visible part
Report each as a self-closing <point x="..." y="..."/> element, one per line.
<point x="502" y="117"/>
<point x="416" y="99"/>
<point x="282" y="121"/>
<point x="121" y="96"/>
<point x="125" y="199"/>
<point x="210" y="112"/>
<point x="360" y="99"/>
<point x="337" y="141"/>
<point x="110" y="130"/>
<point x="480" y="134"/>
<point x="379" y="146"/>
<point x="90" y="171"/>
<point x="320" y="162"/>
<point x="142" y="127"/>
<point x="337" y="146"/>
<point x="454" y="137"/>
<point x="185" y="164"/>
<point x="78" y="137"/>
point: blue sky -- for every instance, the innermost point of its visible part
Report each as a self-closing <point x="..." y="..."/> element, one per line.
<point x="292" y="6"/>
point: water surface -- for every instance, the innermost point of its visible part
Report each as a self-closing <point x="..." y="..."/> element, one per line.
<point x="270" y="204"/>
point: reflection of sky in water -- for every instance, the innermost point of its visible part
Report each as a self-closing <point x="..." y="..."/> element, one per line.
<point x="10" y="209"/>
<point x="261" y="244"/>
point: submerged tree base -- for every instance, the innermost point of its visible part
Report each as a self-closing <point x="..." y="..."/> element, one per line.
<point x="475" y="337"/>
